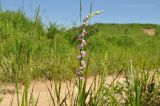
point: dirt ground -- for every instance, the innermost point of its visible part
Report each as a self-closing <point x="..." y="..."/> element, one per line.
<point x="8" y="92"/>
<point x="150" y="31"/>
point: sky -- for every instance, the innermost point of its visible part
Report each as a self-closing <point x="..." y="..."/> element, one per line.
<point x="66" y="12"/>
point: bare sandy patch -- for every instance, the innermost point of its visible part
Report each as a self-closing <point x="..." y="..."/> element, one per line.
<point x="41" y="89"/>
<point x="149" y="31"/>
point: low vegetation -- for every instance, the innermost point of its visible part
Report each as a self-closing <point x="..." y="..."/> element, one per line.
<point x="30" y="51"/>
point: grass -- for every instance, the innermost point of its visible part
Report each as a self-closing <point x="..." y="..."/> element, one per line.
<point x="30" y="51"/>
<point x="50" y="52"/>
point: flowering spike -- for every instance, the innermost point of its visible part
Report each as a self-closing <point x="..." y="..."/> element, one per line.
<point x="83" y="43"/>
<point x="93" y="14"/>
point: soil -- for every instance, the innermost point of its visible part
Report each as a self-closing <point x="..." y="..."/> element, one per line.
<point x="8" y="91"/>
<point x="150" y="31"/>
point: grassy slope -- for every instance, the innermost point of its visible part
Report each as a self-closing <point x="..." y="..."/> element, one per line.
<point x="27" y="47"/>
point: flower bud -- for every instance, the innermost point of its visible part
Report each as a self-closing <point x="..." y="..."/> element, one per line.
<point x="80" y="46"/>
<point x="83" y="53"/>
<point x="83" y="64"/>
<point x="79" y="37"/>
<point x="84" y="42"/>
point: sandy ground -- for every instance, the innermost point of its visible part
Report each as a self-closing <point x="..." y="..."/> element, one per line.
<point x="40" y="88"/>
<point x="150" y="31"/>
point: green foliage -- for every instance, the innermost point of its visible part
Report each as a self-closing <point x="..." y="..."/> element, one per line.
<point x="50" y="52"/>
<point x="30" y="51"/>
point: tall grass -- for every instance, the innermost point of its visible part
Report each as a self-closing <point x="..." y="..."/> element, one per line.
<point x="30" y="51"/>
<point x="49" y="52"/>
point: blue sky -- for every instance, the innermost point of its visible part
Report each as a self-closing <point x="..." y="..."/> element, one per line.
<point x="66" y="12"/>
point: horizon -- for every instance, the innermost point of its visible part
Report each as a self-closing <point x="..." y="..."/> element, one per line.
<point x="66" y="14"/>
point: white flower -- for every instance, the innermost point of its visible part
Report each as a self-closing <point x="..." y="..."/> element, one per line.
<point x="83" y="53"/>
<point x="83" y="64"/>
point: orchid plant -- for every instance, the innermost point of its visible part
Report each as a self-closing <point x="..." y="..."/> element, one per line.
<point x="81" y="38"/>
